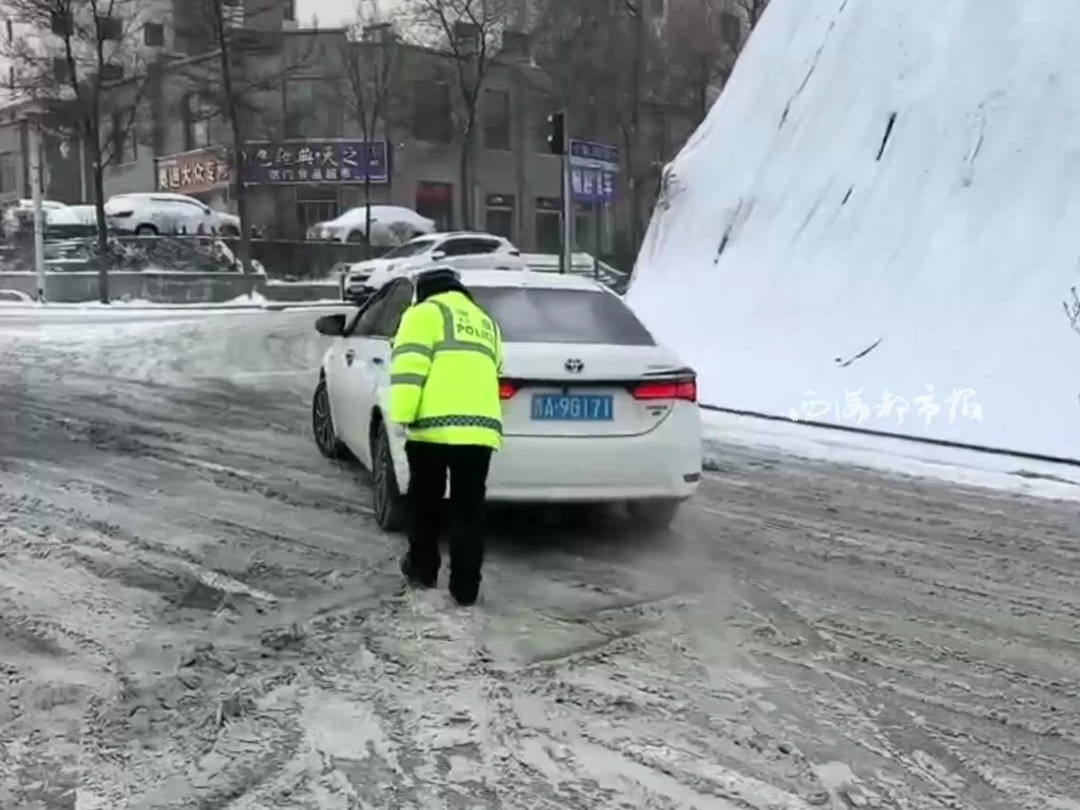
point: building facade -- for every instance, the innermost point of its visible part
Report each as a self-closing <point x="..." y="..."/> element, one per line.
<point x="412" y="157"/>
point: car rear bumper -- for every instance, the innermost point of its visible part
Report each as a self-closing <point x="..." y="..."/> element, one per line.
<point x="665" y="463"/>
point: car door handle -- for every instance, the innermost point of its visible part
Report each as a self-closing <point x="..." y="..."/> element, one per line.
<point x="350" y="355"/>
<point x="378" y="361"/>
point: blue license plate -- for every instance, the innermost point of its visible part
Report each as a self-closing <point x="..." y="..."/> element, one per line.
<point x="572" y="407"/>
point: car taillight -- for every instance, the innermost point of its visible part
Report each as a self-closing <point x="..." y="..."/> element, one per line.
<point x="506" y="390"/>
<point x="684" y="389"/>
<point x="120" y="214"/>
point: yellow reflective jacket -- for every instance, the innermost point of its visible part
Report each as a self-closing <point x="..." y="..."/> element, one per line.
<point x="444" y="373"/>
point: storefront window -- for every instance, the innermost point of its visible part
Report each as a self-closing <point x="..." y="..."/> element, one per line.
<point x="547" y="224"/>
<point x="316" y="204"/>
<point x="499" y="215"/>
<point x="436" y="202"/>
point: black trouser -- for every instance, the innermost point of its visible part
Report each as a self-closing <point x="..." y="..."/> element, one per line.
<point x="468" y="466"/>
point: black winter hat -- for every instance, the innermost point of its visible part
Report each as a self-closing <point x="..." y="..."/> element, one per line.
<point x="438" y="280"/>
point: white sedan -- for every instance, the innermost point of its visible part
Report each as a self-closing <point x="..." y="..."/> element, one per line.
<point x="463" y="250"/>
<point x="390" y="225"/>
<point x="594" y="411"/>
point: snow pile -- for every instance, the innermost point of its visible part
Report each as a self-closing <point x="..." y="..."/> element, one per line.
<point x="881" y="211"/>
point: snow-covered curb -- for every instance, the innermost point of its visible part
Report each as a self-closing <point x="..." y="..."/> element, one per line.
<point x="255" y="302"/>
<point x="906" y="457"/>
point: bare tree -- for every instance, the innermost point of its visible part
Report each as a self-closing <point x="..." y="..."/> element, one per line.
<point x="238" y="81"/>
<point x="701" y="42"/>
<point x="82" y="62"/>
<point x="753" y="9"/>
<point x="469" y="31"/>
<point x="607" y="58"/>
<point x="371" y="66"/>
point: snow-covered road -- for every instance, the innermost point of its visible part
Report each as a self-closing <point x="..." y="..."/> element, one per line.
<point x="196" y="611"/>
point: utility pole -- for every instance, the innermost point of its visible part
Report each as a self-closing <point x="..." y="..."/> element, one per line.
<point x="559" y="145"/>
<point x="39" y="219"/>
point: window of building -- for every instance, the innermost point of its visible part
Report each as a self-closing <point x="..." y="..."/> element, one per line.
<point x="9" y="179"/>
<point x="60" y="70"/>
<point x="313" y="109"/>
<point x="436" y="202"/>
<point x="288" y="11"/>
<point x="195" y="118"/>
<point x="496" y="115"/>
<point x="432" y="114"/>
<point x="9" y="30"/>
<point x="547" y="224"/>
<point x="154" y="35"/>
<point x="60" y="23"/>
<point x="110" y="29"/>
<point x="499" y="215"/>
<point x="316" y="204"/>
<point x="124" y="136"/>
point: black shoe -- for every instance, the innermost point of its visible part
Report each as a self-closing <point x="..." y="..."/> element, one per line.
<point x="413" y="576"/>
<point x="465" y="596"/>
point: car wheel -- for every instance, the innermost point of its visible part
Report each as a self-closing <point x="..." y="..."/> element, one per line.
<point x="322" y="423"/>
<point x="146" y="230"/>
<point x="389" y="505"/>
<point x="654" y="515"/>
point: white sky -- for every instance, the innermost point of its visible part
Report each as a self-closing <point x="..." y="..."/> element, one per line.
<point x="332" y="13"/>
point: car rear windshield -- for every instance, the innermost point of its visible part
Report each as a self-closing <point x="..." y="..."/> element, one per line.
<point x="538" y="315"/>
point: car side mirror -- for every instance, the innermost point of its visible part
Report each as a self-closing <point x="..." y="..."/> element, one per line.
<point x="331" y="325"/>
<point x="438" y="255"/>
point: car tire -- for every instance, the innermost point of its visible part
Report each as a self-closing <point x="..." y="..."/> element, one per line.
<point x="654" y="515"/>
<point x="388" y="503"/>
<point x="322" y="423"/>
<point x="146" y="230"/>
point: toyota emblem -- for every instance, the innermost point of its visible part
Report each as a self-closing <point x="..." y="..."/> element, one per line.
<point x="574" y="366"/>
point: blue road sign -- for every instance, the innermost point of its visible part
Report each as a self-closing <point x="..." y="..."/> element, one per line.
<point x="593" y="169"/>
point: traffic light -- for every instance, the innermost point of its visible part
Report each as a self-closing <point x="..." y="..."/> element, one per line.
<point x="557" y="133"/>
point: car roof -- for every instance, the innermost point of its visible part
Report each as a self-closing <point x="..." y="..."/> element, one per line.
<point x="150" y="195"/>
<point x="449" y="234"/>
<point x="528" y="279"/>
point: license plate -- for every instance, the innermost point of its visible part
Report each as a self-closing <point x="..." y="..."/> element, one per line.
<point x="572" y="407"/>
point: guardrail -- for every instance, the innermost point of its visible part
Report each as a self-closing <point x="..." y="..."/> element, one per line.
<point x="582" y="264"/>
<point x="287" y="260"/>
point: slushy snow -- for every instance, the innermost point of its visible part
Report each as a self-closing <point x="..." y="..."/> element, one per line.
<point x="880" y="211"/>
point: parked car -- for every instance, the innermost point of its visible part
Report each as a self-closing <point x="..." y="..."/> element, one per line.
<point x="20" y="215"/>
<point x="71" y="222"/>
<point x="594" y="410"/>
<point x="461" y="251"/>
<point x="151" y="214"/>
<point x="391" y="225"/>
<point x="227" y="224"/>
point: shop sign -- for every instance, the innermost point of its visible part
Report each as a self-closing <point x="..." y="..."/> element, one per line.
<point x="325" y="162"/>
<point x="193" y="172"/>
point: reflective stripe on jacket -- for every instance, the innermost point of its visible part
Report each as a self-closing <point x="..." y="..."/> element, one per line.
<point x="444" y="373"/>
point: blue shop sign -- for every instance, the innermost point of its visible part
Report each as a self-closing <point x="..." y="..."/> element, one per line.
<point x="333" y="162"/>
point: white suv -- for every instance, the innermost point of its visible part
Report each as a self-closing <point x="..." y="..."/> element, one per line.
<point x="153" y="214"/>
<point x="463" y="251"/>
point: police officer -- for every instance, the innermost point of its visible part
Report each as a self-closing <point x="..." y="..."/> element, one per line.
<point x="444" y="387"/>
